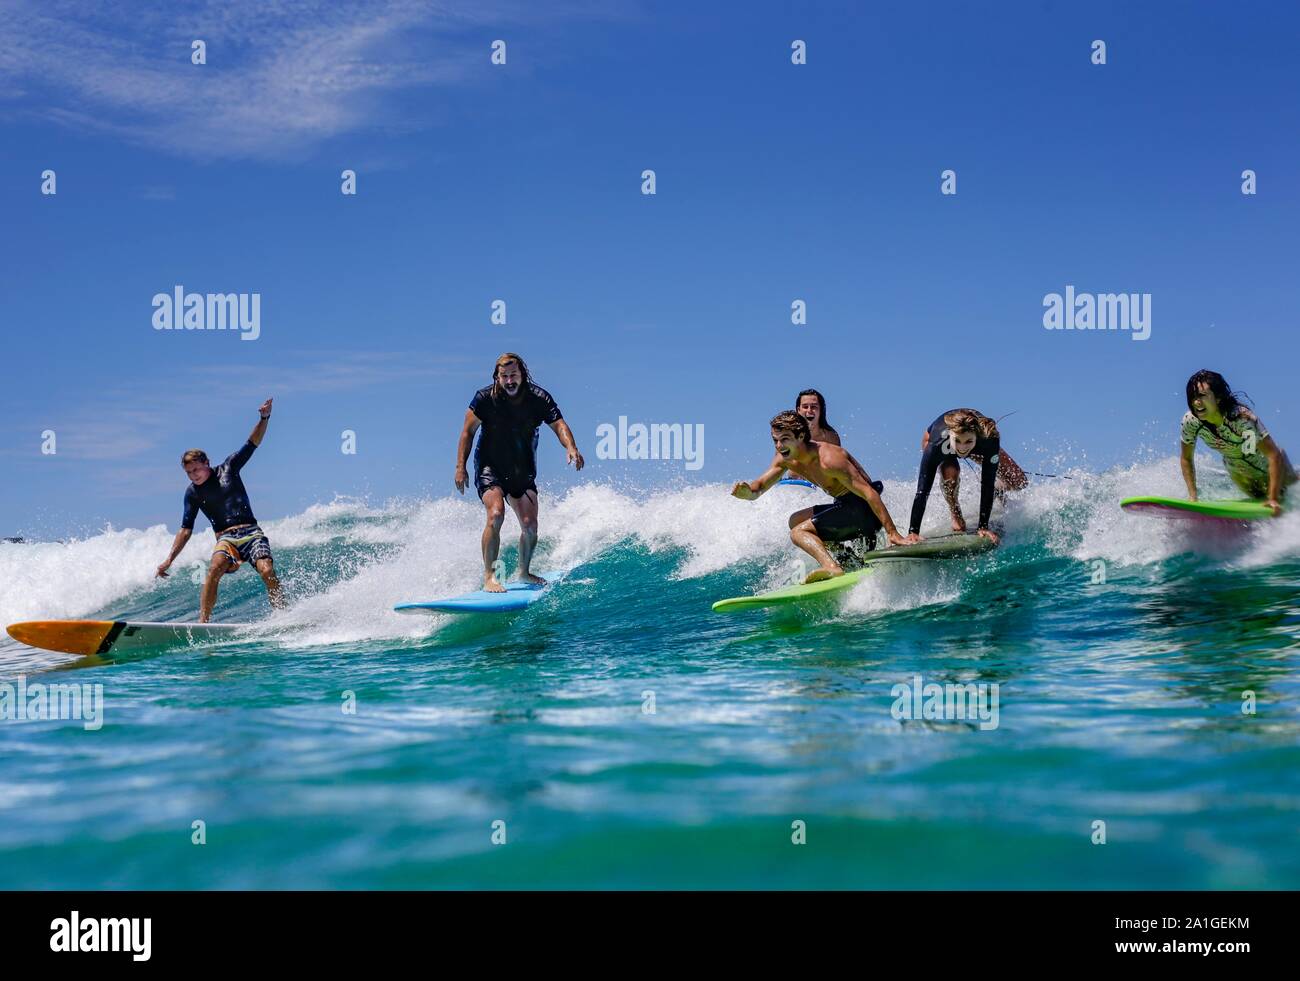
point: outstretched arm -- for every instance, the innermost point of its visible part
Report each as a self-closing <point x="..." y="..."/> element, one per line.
<point x="467" y="432"/>
<point x="750" y="490"/>
<point x="565" y="435"/>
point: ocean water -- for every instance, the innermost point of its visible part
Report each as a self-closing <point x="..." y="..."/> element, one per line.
<point x="620" y="734"/>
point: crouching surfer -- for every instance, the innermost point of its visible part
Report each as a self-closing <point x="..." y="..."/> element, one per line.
<point x="959" y="435"/>
<point x="857" y="511"/>
<point x="219" y="493"/>
<point x="1255" y="463"/>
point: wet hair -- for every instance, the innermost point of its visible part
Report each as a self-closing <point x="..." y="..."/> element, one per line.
<point x="792" y="423"/>
<point x="1227" y="399"/>
<point x="821" y="407"/>
<point x="190" y="456"/>
<point x="498" y="391"/>
<point x="970" y="421"/>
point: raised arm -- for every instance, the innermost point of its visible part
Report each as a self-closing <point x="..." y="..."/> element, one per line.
<point x="241" y="456"/>
<point x="264" y="416"/>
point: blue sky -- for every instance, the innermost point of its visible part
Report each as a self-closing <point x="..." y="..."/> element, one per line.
<point x="522" y="182"/>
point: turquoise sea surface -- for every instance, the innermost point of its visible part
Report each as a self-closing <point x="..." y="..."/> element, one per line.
<point x="619" y="734"/>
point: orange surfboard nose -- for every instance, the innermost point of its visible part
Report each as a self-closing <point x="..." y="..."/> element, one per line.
<point x="68" y="636"/>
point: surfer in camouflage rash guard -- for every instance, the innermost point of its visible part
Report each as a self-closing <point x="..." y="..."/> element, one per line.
<point x="1254" y="462"/>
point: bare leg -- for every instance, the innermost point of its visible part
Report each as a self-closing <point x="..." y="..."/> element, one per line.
<point x="525" y="509"/>
<point x="1010" y="476"/>
<point x="494" y="501"/>
<point x="950" y="484"/>
<point x="805" y="536"/>
<point x="266" y="569"/>
<point x="217" y="568"/>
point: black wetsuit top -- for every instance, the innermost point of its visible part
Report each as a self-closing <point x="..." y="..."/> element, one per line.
<point x="222" y="497"/>
<point x="985" y="453"/>
<point x="507" y="441"/>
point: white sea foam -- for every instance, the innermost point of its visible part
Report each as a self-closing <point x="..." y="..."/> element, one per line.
<point x="368" y="558"/>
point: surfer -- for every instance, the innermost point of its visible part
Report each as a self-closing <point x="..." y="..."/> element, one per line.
<point x="811" y="404"/>
<point x="1255" y="463"/>
<point x="510" y="411"/>
<point x="219" y="493"/>
<point x="963" y="434"/>
<point x="857" y="511"/>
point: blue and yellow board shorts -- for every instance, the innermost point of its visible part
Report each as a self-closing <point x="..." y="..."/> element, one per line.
<point x="246" y="543"/>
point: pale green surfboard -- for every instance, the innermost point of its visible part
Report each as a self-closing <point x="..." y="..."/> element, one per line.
<point x="954" y="546"/>
<point x="942" y="547"/>
<point x="1173" y="507"/>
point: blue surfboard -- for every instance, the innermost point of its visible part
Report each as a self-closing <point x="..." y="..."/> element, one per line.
<point x="795" y="481"/>
<point x="518" y="595"/>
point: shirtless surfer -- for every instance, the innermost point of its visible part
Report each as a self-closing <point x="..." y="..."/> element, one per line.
<point x="857" y="510"/>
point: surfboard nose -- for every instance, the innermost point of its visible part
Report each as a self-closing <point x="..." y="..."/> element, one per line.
<point x="66" y="636"/>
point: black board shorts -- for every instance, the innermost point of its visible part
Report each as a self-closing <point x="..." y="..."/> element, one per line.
<point x="511" y="484"/>
<point x="848" y="517"/>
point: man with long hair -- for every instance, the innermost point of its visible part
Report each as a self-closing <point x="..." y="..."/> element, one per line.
<point x="509" y="411"/>
<point x="856" y="512"/>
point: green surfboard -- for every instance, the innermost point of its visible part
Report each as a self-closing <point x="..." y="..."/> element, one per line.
<point x="791" y="594"/>
<point x="940" y="547"/>
<point x="1173" y="507"/>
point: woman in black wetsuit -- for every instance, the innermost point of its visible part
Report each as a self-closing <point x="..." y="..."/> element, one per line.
<point x="963" y="434"/>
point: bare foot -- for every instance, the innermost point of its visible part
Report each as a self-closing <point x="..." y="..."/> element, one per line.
<point x="490" y="584"/>
<point x="958" y="524"/>
<point x="534" y="579"/>
<point x="820" y="575"/>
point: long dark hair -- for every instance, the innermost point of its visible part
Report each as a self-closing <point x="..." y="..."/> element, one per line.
<point x="499" y="393"/>
<point x="1227" y="399"/>
<point x="821" y="407"/>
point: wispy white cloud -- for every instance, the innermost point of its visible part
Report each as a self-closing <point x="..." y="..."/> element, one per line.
<point x="129" y="420"/>
<point x="282" y="76"/>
